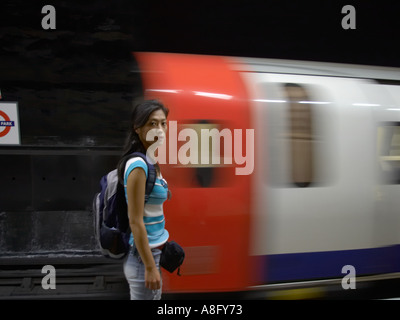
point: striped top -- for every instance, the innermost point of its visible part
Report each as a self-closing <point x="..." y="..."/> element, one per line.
<point x="153" y="215"/>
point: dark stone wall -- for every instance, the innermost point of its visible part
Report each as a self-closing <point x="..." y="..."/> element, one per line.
<point x="75" y="86"/>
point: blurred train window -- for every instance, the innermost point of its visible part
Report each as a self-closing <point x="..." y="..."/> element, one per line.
<point x="211" y="172"/>
<point x="204" y="174"/>
<point x="388" y="148"/>
<point x="300" y="135"/>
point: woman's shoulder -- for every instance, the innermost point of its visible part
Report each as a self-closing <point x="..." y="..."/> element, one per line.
<point x="133" y="163"/>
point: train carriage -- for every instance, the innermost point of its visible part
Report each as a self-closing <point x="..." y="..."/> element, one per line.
<point x="322" y="192"/>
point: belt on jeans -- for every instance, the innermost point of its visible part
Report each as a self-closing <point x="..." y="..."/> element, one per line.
<point x="160" y="247"/>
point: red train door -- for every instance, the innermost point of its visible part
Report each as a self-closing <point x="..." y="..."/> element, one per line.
<point x="209" y="213"/>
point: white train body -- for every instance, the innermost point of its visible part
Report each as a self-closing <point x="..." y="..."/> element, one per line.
<point x="351" y="204"/>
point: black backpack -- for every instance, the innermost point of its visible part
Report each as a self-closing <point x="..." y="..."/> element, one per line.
<point x="110" y="211"/>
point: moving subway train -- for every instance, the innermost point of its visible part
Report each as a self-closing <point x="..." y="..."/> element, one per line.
<point x="323" y="193"/>
<point x="282" y="172"/>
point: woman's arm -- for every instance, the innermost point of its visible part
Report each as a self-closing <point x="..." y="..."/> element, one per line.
<point x="136" y="190"/>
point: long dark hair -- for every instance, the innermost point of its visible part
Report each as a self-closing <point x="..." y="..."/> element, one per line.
<point x="139" y="116"/>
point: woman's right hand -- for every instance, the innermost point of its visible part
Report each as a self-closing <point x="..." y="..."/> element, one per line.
<point x="152" y="278"/>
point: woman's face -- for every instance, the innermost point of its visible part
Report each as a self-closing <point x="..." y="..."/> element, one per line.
<point x="157" y="121"/>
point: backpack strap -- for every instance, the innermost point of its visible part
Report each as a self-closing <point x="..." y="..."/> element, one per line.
<point x="151" y="174"/>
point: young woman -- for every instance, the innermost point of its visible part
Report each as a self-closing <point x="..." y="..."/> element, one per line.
<point x="147" y="222"/>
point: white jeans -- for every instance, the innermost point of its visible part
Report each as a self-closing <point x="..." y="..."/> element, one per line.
<point x="134" y="270"/>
